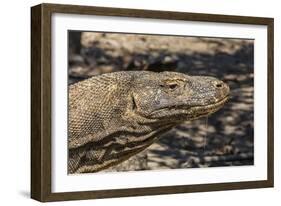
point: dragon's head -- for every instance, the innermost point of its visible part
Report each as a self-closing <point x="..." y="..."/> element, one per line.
<point x="176" y="96"/>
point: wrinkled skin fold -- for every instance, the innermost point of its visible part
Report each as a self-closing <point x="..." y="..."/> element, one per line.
<point x="117" y="115"/>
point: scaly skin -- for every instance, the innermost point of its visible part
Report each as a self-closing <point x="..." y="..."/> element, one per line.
<point x="114" y="116"/>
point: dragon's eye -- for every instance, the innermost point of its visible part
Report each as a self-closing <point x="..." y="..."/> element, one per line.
<point x="169" y="85"/>
<point x="172" y="86"/>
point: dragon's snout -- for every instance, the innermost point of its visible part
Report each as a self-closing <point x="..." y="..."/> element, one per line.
<point x="222" y="89"/>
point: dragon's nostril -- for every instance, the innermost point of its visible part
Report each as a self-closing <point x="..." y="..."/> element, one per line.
<point x="219" y="85"/>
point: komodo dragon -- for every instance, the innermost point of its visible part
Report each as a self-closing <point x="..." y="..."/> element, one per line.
<point x="115" y="116"/>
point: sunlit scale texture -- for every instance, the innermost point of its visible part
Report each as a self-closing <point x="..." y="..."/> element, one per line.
<point x="117" y="115"/>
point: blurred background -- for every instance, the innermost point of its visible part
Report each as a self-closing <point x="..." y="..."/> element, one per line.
<point x="224" y="138"/>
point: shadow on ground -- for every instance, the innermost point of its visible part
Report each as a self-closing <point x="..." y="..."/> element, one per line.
<point x="223" y="139"/>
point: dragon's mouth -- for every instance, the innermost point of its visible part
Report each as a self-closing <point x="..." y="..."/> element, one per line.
<point x="205" y="110"/>
<point x="190" y="112"/>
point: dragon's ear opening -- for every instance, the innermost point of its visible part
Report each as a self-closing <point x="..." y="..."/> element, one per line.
<point x="133" y="102"/>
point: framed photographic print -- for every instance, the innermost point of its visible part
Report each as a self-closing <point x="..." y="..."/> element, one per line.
<point x="132" y="102"/>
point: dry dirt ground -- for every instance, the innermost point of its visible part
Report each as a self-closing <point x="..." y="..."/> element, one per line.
<point x="223" y="139"/>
